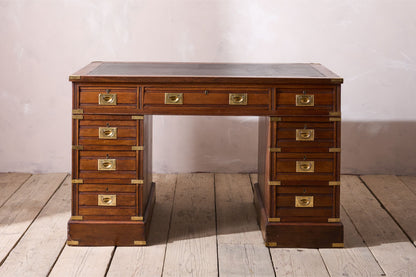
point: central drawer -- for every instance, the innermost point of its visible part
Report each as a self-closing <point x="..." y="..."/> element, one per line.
<point x="232" y="98"/>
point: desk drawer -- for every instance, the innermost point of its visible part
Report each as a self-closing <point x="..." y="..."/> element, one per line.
<point x="305" y="136"/>
<point x="301" y="203"/>
<point x="206" y="97"/>
<point x="107" y="99"/>
<point x="102" y="165"/>
<point x="106" y="132"/>
<point x="304" y="166"/>
<point x="306" y="101"/>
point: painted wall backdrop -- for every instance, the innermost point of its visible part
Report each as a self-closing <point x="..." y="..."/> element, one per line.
<point x="372" y="44"/>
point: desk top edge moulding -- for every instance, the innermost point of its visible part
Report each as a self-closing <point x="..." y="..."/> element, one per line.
<point x="297" y="197"/>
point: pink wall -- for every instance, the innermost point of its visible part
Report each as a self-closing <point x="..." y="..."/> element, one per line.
<point x="369" y="43"/>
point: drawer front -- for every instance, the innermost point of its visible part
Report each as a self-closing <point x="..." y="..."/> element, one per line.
<point x="107" y="99"/>
<point x="306" y="101"/>
<point x="103" y="165"/>
<point x="206" y="97"/>
<point x="100" y="132"/>
<point x="305" y="136"/>
<point x="304" y="166"/>
<point x="303" y="202"/>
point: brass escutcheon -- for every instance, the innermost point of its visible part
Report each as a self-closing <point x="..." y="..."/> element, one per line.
<point x="305" y="166"/>
<point x="237" y="99"/>
<point x="303" y="201"/>
<point x="174" y="98"/>
<point x="107" y="132"/>
<point x="107" y="200"/>
<point x="305" y="134"/>
<point x="305" y="100"/>
<point x="106" y="164"/>
<point x="109" y="99"/>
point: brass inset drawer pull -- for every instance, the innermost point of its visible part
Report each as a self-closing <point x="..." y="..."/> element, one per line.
<point x="107" y="200"/>
<point x="237" y="99"/>
<point x="305" y="100"/>
<point x="305" y="134"/>
<point x="106" y="164"/>
<point x="305" y="166"/>
<point x="109" y="99"/>
<point x="304" y="201"/>
<point x="107" y="133"/>
<point x="174" y="98"/>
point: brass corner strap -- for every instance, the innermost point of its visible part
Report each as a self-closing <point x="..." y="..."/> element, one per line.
<point x="274" y="219"/>
<point x="333" y="220"/>
<point x="335" y="150"/>
<point x="137" y="148"/>
<point x="74" y="77"/>
<point x="334" y="183"/>
<point x="77" y="217"/>
<point x="72" y="242"/>
<point x="137" y="218"/>
<point x="139" y="242"/>
<point x="137" y="117"/>
<point x="135" y="181"/>
<point x="77" y="147"/>
<point x="77" y="116"/>
<point x="276" y="149"/>
<point x="338" y="245"/>
<point x="271" y="244"/>
<point x="275" y="119"/>
<point x="333" y="119"/>
<point x="77" y="111"/>
<point x="77" y="181"/>
<point x="274" y="183"/>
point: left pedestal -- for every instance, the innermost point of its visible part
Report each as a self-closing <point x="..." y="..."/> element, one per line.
<point x="112" y="190"/>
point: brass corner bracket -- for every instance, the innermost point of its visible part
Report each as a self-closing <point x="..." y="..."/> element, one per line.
<point x="72" y="242"/>
<point x="139" y="242"/>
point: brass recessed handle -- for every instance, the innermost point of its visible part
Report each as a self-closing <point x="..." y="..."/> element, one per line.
<point x="109" y="99"/>
<point x="237" y="99"/>
<point x="107" y="200"/>
<point x="305" y="134"/>
<point x="106" y="164"/>
<point x="305" y="166"/>
<point x="305" y="100"/>
<point x="303" y="201"/>
<point x="107" y="132"/>
<point x="174" y="98"/>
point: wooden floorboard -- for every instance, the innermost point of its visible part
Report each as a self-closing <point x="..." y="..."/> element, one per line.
<point x="241" y="250"/>
<point x="148" y="261"/>
<point x="353" y="260"/>
<point x="10" y="183"/>
<point x="397" y="198"/>
<point x="391" y="248"/>
<point x="213" y="231"/>
<point x="410" y="182"/>
<point x="18" y="213"/>
<point x="39" y="248"/>
<point x="191" y="248"/>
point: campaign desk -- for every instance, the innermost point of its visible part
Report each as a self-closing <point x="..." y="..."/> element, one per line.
<point x="297" y="197"/>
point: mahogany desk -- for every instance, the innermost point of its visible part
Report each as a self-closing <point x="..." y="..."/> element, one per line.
<point x="297" y="197"/>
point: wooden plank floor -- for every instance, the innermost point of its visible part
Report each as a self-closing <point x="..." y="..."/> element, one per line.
<point x="204" y="225"/>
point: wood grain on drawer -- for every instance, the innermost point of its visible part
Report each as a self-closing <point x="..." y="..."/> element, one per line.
<point x="320" y="201"/>
<point x="124" y="99"/>
<point x="305" y="136"/>
<point x="103" y="132"/>
<point x="126" y="165"/>
<point x="323" y="101"/>
<point x="213" y="101"/>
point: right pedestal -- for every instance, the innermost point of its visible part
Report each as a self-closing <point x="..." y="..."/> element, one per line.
<point x="297" y="196"/>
